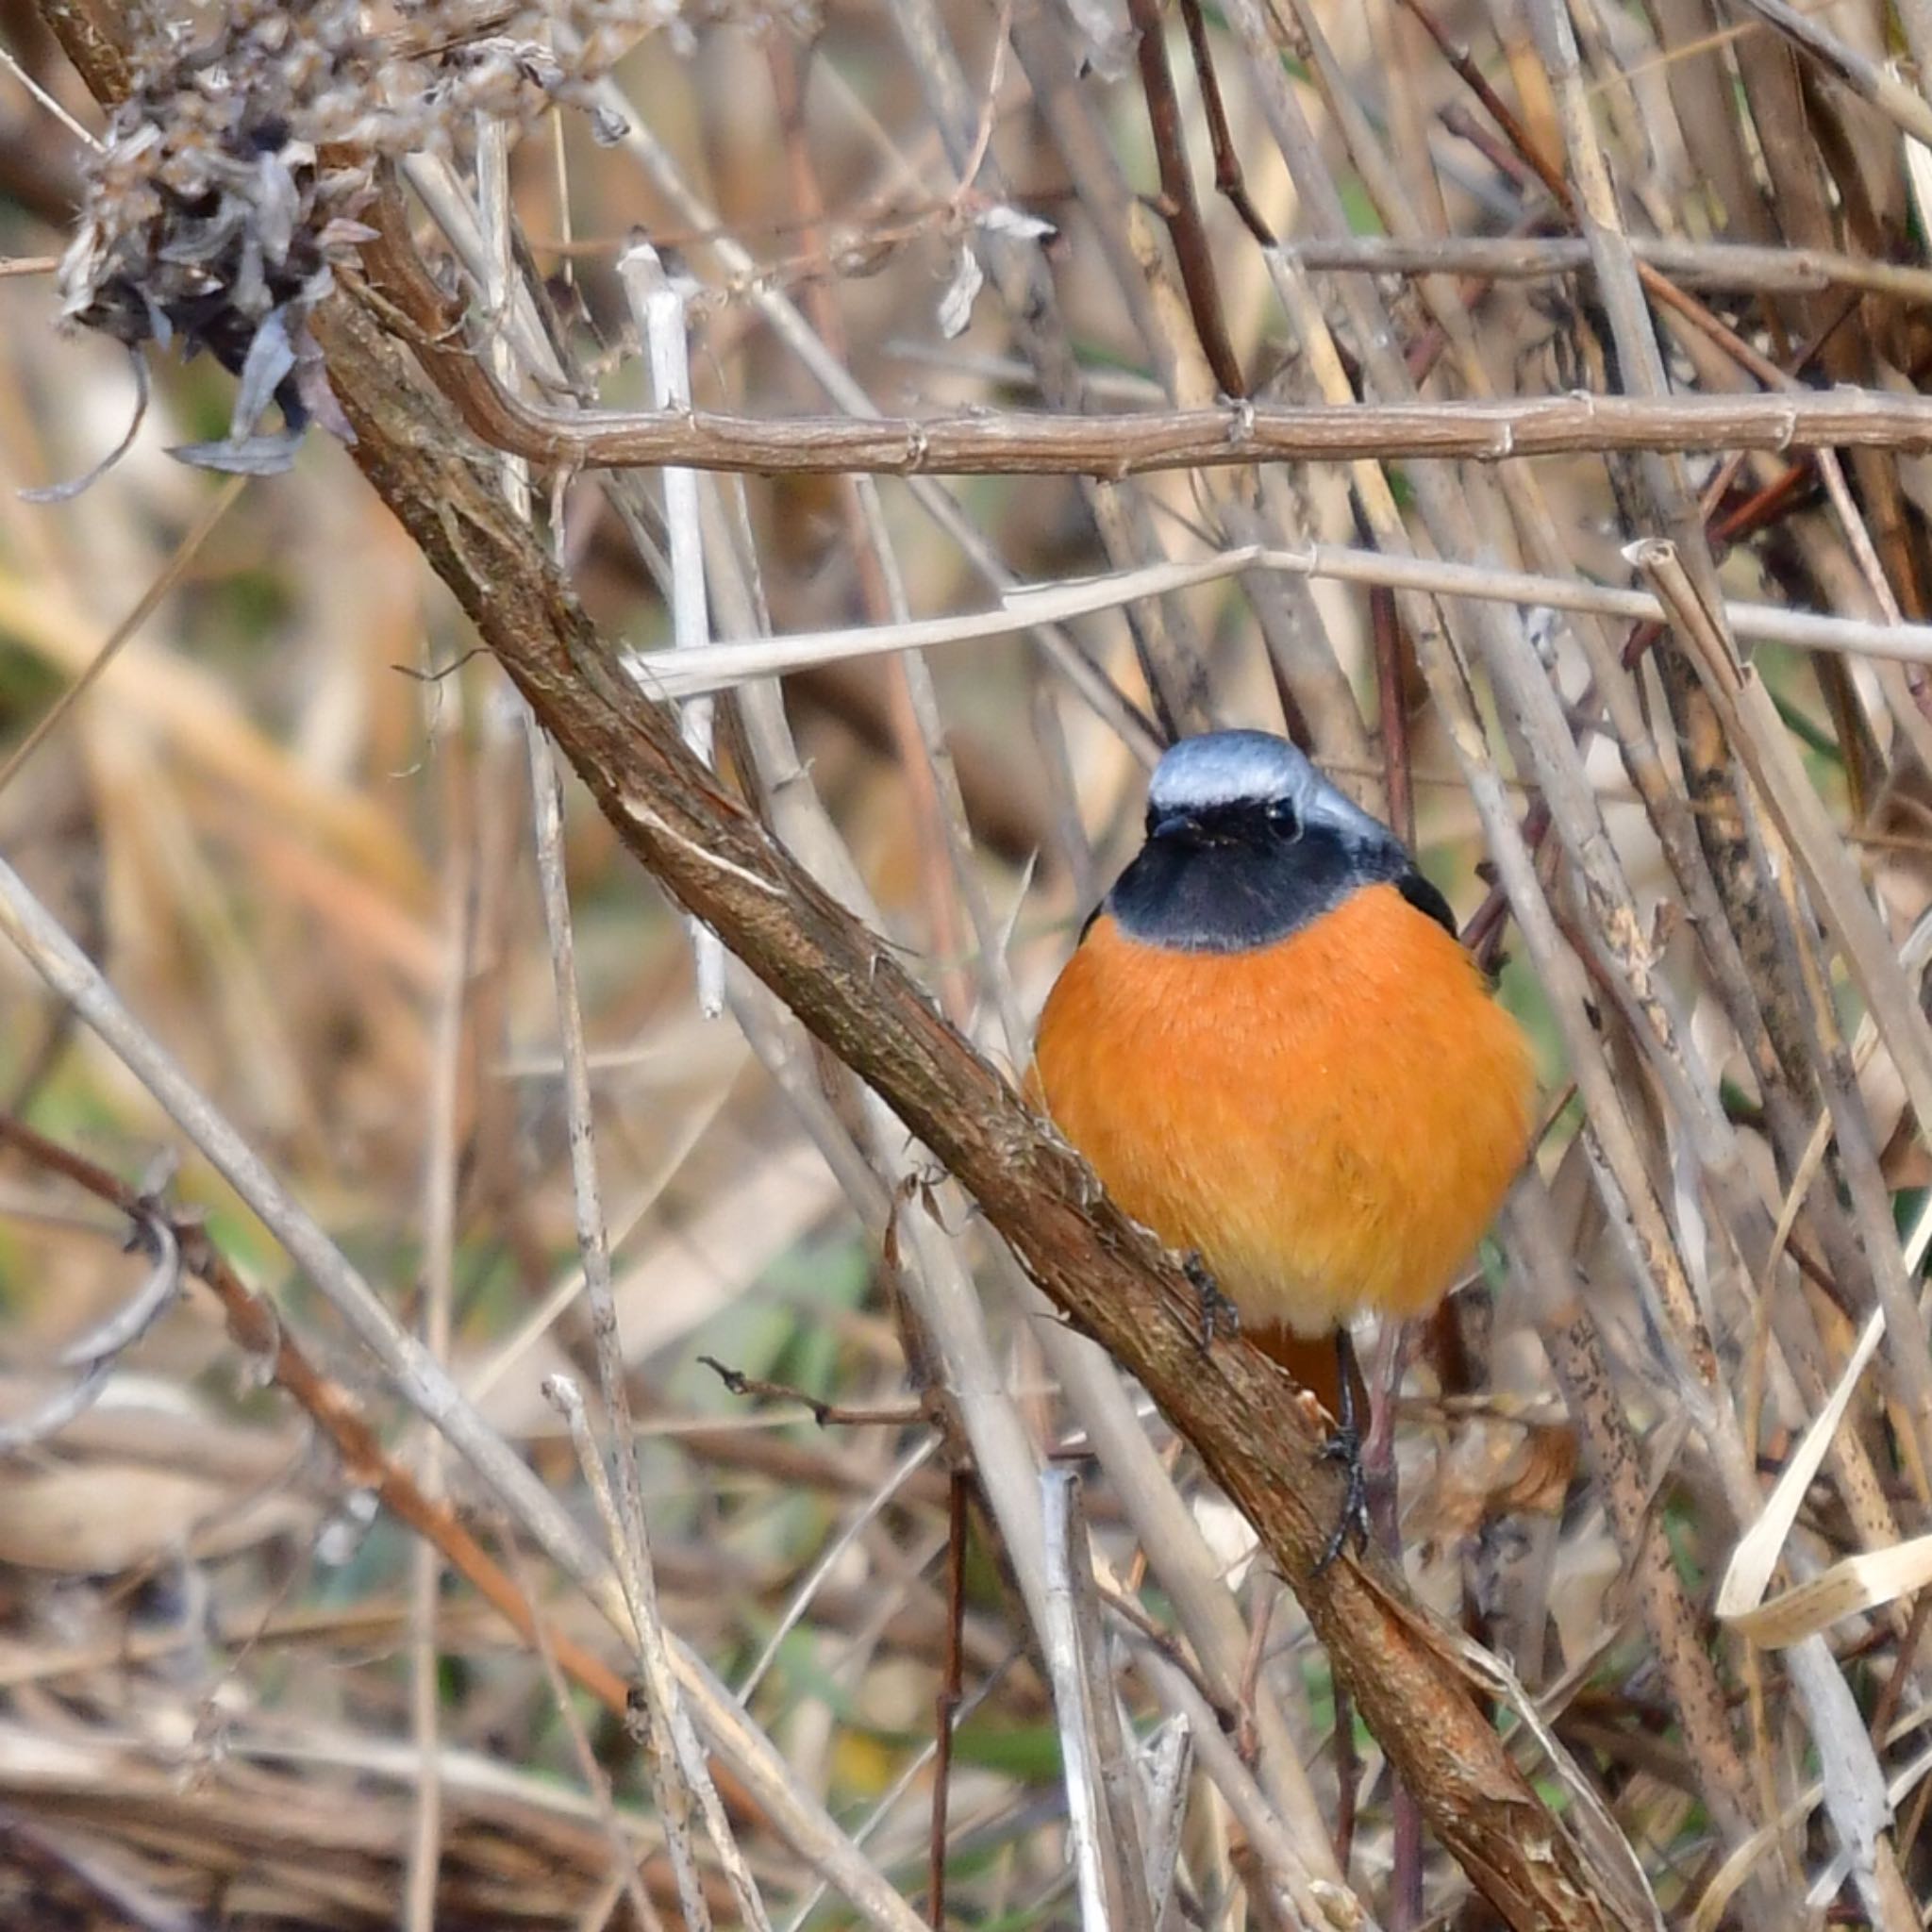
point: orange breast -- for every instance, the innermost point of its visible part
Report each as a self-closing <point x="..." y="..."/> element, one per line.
<point x="1330" y="1121"/>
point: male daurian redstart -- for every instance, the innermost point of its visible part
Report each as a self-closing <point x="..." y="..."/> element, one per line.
<point x="1274" y="1050"/>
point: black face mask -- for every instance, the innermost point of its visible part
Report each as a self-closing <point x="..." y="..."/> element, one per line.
<point x="1227" y="878"/>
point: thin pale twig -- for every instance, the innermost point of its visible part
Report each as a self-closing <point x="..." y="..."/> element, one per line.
<point x="1106" y="1883"/>
<point x="908" y="1465"/>
<point x="718" y="667"/>
<point x="947" y="1700"/>
<point x="627" y="1881"/>
<point x="218" y="506"/>
<point x="94" y="1355"/>
<point x="657" y="307"/>
<point x="670" y="1773"/>
<point x="1727" y="266"/>
<point x="12" y="62"/>
<point x="441" y="1138"/>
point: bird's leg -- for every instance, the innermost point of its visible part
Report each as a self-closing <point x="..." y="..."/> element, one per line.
<point x="1345" y="1447"/>
<point x="1219" y="1316"/>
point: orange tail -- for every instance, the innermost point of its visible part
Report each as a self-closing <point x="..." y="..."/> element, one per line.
<point x="1310" y="1359"/>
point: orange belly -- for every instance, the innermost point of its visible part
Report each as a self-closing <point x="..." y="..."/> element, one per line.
<point x="1330" y="1121"/>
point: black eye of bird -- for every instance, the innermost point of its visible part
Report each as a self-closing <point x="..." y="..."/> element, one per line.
<point x="1281" y="815"/>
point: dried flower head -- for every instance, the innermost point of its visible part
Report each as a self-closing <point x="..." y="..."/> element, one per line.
<point x="212" y="220"/>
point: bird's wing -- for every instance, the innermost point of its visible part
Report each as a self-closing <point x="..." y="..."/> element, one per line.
<point x="1425" y="898"/>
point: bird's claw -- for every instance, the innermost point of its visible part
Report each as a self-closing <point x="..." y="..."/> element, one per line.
<point x="1345" y="1447"/>
<point x="1219" y="1316"/>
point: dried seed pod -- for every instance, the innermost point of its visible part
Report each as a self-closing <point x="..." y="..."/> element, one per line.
<point x="212" y="223"/>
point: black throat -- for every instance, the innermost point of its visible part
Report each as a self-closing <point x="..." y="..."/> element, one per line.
<point x="1229" y="880"/>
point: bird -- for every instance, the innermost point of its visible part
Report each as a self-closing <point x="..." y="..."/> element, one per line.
<point x="1272" y="1048"/>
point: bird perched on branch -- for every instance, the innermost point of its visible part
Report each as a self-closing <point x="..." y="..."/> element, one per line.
<point x="1275" y="1053"/>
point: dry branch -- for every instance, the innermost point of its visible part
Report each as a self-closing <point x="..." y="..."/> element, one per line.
<point x="1018" y="443"/>
<point x="1691" y="264"/>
